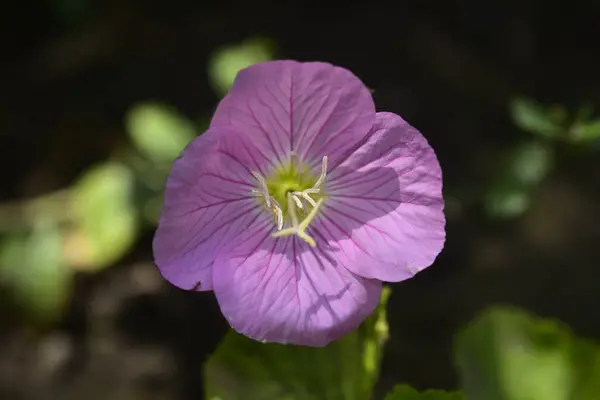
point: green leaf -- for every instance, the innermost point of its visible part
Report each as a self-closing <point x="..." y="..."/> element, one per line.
<point x="226" y="62"/>
<point x="531" y="162"/>
<point x="507" y="354"/>
<point x="586" y="131"/>
<point x="159" y="131"/>
<point x="405" y="392"/>
<point x="106" y="219"/>
<point x="243" y="369"/>
<point x="525" y="168"/>
<point x="32" y="268"/>
<point x="584" y="113"/>
<point x="532" y="117"/>
<point x="507" y="199"/>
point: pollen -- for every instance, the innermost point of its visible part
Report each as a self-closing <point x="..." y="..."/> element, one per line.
<point x="293" y="196"/>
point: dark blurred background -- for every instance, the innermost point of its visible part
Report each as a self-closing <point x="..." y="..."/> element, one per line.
<point x="97" y="98"/>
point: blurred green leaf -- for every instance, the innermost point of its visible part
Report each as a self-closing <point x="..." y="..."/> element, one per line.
<point x="227" y="61"/>
<point x="507" y="199"/>
<point x="32" y="268"/>
<point x="586" y="131"/>
<point x="531" y="162"/>
<point x="243" y="369"/>
<point x="558" y="115"/>
<point x="152" y="208"/>
<point x="106" y="219"/>
<point x="532" y="117"/>
<point x="405" y="392"/>
<point x="159" y="131"/>
<point x="507" y="354"/>
<point x="584" y="113"/>
<point x="524" y="169"/>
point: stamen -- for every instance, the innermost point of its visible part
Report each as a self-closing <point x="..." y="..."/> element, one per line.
<point x="271" y="203"/>
<point x="279" y="214"/>
<point x="296" y="199"/>
<point x="308" y="198"/>
<point x="311" y="215"/>
<point x="315" y="189"/>
<point x="264" y="187"/>
<point x="323" y="173"/>
<point x="294" y="203"/>
<point x="300" y="229"/>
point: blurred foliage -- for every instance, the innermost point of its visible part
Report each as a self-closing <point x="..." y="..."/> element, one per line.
<point x="228" y="60"/>
<point x="504" y="354"/>
<point x="523" y="170"/>
<point x="530" y="163"/>
<point x="532" y="117"/>
<point x="507" y="354"/>
<point x="105" y="223"/>
<point x="33" y="268"/>
<point x="158" y="131"/>
<point x="527" y="164"/>
<point x="405" y="392"/>
<point x="346" y="369"/>
<point x="587" y="132"/>
<point x="507" y="199"/>
<point x="554" y="122"/>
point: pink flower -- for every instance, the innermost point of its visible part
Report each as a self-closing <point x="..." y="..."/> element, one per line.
<point x="298" y="202"/>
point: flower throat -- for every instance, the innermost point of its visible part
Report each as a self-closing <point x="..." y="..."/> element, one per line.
<point x="290" y="193"/>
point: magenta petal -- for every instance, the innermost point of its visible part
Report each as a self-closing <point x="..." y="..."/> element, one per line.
<point x="281" y="290"/>
<point x="207" y="203"/>
<point x="314" y="109"/>
<point x="385" y="207"/>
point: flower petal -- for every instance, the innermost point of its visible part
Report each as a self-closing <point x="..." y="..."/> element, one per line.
<point x="385" y="209"/>
<point x="208" y="202"/>
<point x="314" y="109"/>
<point x="282" y="290"/>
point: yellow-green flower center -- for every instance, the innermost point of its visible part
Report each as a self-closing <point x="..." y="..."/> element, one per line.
<point x="292" y="192"/>
<point x="290" y="178"/>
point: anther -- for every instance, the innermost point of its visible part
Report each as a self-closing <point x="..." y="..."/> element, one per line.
<point x="263" y="185"/>
<point x="308" y="198"/>
<point x="278" y="214"/>
<point x="315" y="189"/>
<point x="323" y="173"/>
<point x="296" y="199"/>
<point x="270" y="202"/>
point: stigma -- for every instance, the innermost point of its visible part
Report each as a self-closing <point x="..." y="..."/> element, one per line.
<point x="298" y="202"/>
